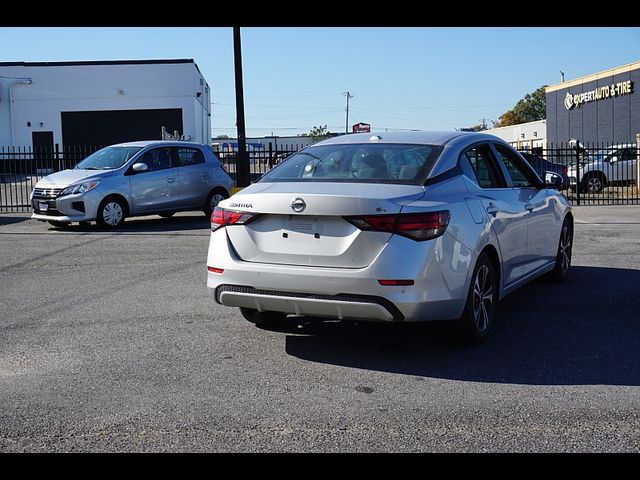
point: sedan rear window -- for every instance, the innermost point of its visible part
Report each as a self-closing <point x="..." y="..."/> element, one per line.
<point x="358" y="163"/>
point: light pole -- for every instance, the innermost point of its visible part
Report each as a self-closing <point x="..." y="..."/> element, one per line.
<point x="243" y="175"/>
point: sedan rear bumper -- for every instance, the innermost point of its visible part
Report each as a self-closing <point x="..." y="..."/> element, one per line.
<point x="439" y="291"/>
<point x="336" y="306"/>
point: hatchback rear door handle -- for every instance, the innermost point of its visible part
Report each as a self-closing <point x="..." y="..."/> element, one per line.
<point x="171" y="180"/>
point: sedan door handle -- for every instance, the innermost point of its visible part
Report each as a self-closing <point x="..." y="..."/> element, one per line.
<point x="492" y="209"/>
<point x="171" y="180"/>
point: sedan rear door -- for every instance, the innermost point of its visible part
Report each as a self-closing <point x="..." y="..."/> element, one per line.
<point x="502" y="204"/>
<point x="542" y="226"/>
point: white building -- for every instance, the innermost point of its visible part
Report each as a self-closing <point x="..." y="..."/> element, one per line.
<point x="531" y="136"/>
<point x="102" y="102"/>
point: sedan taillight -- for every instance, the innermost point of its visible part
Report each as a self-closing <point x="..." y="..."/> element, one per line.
<point x="417" y="226"/>
<point x="221" y="217"/>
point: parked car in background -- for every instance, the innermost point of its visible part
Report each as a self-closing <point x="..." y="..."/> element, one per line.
<point x="390" y="227"/>
<point x="611" y="166"/>
<point x="541" y="165"/>
<point x="131" y="179"/>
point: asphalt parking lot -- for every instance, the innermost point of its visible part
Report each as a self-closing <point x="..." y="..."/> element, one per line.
<point x="110" y="342"/>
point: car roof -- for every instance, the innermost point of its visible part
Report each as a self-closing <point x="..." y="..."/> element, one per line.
<point x="146" y="143"/>
<point x="453" y="141"/>
<point x="430" y="137"/>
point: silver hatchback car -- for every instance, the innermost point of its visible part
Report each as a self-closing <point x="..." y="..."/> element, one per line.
<point x="132" y="179"/>
<point x="393" y="227"/>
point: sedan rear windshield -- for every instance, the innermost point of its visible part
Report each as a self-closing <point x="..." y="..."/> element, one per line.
<point x="108" y="158"/>
<point x="358" y="163"/>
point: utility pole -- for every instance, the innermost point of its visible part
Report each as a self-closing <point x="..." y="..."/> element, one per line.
<point x="243" y="175"/>
<point x="346" y="122"/>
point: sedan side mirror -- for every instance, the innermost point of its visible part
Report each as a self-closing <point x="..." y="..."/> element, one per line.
<point x="553" y="180"/>
<point x="140" y="167"/>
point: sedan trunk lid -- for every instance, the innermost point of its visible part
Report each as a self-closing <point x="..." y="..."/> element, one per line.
<point x="303" y="224"/>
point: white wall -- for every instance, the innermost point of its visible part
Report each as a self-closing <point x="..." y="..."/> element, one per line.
<point x="55" y="89"/>
<point x="524" y="135"/>
<point x="277" y="143"/>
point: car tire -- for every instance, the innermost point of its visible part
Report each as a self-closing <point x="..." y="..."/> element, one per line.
<point x="111" y="213"/>
<point x="262" y="318"/>
<point x="56" y="224"/>
<point x="215" y="197"/>
<point x="593" y="183"/>
<point x="563" y="256"/>
<point x="479" y="311"/>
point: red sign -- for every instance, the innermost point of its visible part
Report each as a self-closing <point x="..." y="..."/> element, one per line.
<point x="361" y="128"/>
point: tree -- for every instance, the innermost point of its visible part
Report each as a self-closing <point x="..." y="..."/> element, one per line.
<point x="223" y="137"/>
<point x="319" y="133"/>
<point x="506" y="119"/>
<point x="533" y="106"/>
<point x="528" y="109"/>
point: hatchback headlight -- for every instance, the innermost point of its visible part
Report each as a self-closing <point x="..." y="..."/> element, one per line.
<point x="81" y="187"/>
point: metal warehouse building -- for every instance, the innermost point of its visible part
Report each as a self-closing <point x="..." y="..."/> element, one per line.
<point x="102" y="102"/>
<point x="599" y="108"/>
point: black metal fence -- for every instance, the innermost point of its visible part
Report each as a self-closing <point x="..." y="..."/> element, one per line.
<point x="22" y="167"/>
<point x="607" y="173"/>
<point x="260" y="161"/>
<point x="594" y="174"/>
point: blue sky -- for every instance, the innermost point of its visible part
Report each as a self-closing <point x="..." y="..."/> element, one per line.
<point x="400" y="77"/>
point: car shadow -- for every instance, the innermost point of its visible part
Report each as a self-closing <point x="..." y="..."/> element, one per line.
<point x="149" y="224"/>
<point x="585" y="331"/>
<point x="9" y="220"/>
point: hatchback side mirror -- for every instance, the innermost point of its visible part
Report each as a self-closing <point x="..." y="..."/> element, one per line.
<point x="553" y="180"/>
<point x="140" y="167"/>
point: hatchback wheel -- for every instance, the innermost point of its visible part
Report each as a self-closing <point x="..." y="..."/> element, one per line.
<point x="213" y="200"/>
<point x="477" y="318"/>
<point x="111" y="213"/>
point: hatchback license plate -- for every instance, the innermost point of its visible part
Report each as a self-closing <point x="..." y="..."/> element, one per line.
<point x="44" y="206"/>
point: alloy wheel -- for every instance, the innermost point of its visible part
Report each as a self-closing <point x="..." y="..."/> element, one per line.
<point x="565" y="249"/>
<point x="483" y="298"/>
<point x="594" y="185"/>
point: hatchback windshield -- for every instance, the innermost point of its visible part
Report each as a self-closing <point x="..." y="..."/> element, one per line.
<point x="108" y="158"/>
<point x="358" y="163"/>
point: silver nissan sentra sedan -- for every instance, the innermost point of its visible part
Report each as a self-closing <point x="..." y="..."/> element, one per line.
<point x="395" y="227"/>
